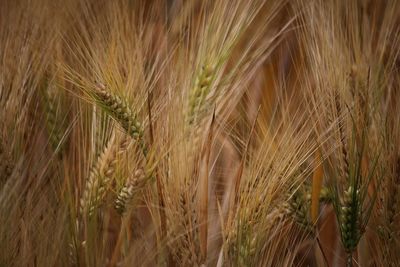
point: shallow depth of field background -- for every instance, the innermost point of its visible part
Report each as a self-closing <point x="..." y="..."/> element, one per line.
<point x="199" y="133"/>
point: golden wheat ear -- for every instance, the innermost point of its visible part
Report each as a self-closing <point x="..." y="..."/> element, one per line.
<point x="119" y="109"/>
<point x="102" y="173"/>
<point x="136" y="182"/>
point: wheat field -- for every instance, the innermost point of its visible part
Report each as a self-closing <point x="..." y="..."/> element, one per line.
<point x="199" y="133"/>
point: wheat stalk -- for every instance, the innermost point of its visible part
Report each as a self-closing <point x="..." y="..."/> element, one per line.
<point x="316" y="188"/>
<point x="204" y="191"/>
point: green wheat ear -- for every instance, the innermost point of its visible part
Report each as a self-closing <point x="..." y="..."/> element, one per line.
<point x="241" y="242"/>
<point x="350" y="215"/>
<point x="298" y="208"/>
<point x="324" y="197"/>
<point x="199" y="92"/>
<point x="54" y="123"/>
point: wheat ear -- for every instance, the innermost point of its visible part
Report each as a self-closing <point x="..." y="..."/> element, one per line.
<point x="298" y="208"/>
<point x="350" y="220"/>
<point x="199" y="93"/>
<point x="120" y="111"/>
<point x="133" y="184"/>
<point x="52" y="120"/>
<point x="101" y="174"/>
